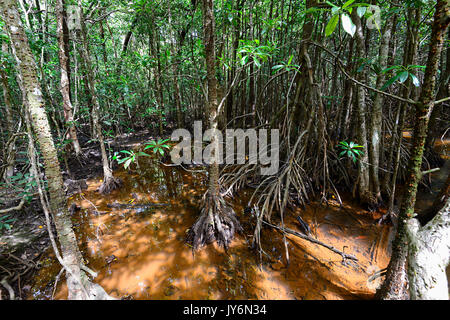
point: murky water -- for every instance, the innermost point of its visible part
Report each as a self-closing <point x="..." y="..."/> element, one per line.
<point x="141" y="252"/>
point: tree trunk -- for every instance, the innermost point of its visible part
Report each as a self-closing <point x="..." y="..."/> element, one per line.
<point x="65" y="84"/>
<point x="109" y="182"/>
<point x="429" y="255"/>
<point x="377" y="112"/>
<point x="217" y="221"/>
<point x="363" y="184"/>
<point x="394" y="284"/>
<point x="33" y="100"/>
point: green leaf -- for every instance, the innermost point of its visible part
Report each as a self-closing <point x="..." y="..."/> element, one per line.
<point x="127" y="163"/>
<point x="278" y="66"/>
<point x="331" y="26"/>
<point x="140" y="153"/>
<point x="361" y="11"/>
<point x="390" y="68"/>
<point x="390" y="81"/>
<point x="348" y="24"/>
<point x="349" y="2"/>
<point x="415" y="80"/>
<point x="416" y="67"/>
<point x="403" y="76"/>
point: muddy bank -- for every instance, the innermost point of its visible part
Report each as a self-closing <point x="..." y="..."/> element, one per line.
<point x="22" y="246"/>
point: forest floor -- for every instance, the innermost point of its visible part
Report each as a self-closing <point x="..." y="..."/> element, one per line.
<point x="22" y="247"/>
<point x="142" y="254"/>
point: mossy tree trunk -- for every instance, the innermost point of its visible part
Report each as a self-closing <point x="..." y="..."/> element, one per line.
<point x="394" y="286"/>
<point x="77" y="282"/>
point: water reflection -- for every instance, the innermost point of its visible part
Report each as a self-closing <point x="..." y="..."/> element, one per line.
<point x="139" y="249"/>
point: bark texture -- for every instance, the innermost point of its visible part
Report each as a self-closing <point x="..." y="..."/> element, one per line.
<point x="65" y="84"/>
<point x="395" y="283"/>
<point x="77" y="281"/>
<point x="217" y="220"/>
<point x="429" y="256"/>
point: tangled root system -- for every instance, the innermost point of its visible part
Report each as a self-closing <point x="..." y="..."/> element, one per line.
<point x="217" y="222"/>
<point x="109" y="185"/>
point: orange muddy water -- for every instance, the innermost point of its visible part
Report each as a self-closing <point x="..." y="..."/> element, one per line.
<point x="140" y="253"/>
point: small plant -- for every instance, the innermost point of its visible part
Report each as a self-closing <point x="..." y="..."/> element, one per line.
<point x="132" y="157"/>
<point x="252" y="49"/>
<point x="5" y="223"/>
<point x="159" y="146"/>
<point x="402" y="74"/>
<point x="350" y="149"/>
<point x="288" y="66"/>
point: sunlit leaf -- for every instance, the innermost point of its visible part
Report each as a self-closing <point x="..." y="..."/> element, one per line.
<point x="415" y="80"/>
<point x="348" y="24"/>
<point x="331" y="26"/>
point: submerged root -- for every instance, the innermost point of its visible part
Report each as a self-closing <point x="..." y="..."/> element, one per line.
<point x="109" y="185"/>
<point x="217" y="222"/>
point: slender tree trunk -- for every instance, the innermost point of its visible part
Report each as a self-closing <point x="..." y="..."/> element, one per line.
<point x="109" y="182"/>
<point x="218" y="221"/>
<point x="377" y="112"/>
<point x="409" y="56"/>
<point x="159" y="88"/>
<point x="363" y="168"/>
<point x="394" y="284"/>
<point x="65" y="84"/>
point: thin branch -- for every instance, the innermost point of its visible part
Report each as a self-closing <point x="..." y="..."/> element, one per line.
<point x="342" y="67"/>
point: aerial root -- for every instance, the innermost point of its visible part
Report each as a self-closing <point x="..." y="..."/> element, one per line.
<point x="109" y="185"/>
<point x="217" y="222"/>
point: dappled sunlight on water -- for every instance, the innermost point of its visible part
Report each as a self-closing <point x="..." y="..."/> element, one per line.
<point x="140" y="251"/>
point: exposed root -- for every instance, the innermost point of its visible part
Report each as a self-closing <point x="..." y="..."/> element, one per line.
<point x="217" y="222"/>
<point x="109" y="185"/>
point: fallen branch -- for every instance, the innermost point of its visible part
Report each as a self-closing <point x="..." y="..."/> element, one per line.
<point x="18" y="207"/>
<point x="310" y="239"/>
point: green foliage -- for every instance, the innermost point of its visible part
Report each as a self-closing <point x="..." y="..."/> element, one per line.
<point x="158" y="147"/>
<point x="252" y="49"/>
<point x="131" y="157"/>
<point x="288" y="66"/>
<point x="22" y="184"/>
<point x="351" y="150"/>
<point x="5" y="223"/>
<point x="343" y="12"/>
<point x="402" y="74"/>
